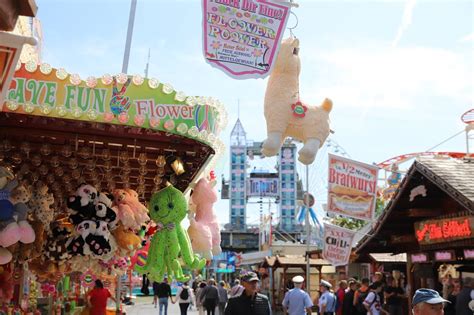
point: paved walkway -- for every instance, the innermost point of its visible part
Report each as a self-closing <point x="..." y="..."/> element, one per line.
<point x="144" y="306"/>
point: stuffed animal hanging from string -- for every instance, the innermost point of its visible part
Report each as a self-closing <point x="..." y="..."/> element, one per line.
<point x="204" y="229"/>
<point x="168" y="208"/>
<point x="286" y="115"/>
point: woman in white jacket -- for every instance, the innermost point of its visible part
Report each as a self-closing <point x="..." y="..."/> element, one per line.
<point x="184" y="296"/>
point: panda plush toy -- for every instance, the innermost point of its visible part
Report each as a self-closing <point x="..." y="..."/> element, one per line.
<point x="92" y="215"/>
<point x="88" y="204"/>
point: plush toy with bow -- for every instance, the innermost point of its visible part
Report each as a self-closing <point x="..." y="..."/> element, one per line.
<point x="204" y="229"/>
<point x="286" y="115"/>
<point x="168" y="208"/>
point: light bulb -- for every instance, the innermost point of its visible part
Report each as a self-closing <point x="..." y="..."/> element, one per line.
<point x="142" y="159"/>
<point x="59" y="171"/>
<point x="7" y="146"/>
<point x="157" y="179"/>
<point x="108" y="166"/>
<point x="25" y="147"/>
<point x="106" y="154"/>
<point x="16" y="158"/>
<point x="73" y="163"/>
<point x="85" y="153"/>
<point x="178" y="166"/>
<point x="43" y="170"/>
<point x="90" y="166"/>
<point x="126" y="169"/>
<point x="55" y="162"/>
<point x="66" y="151"/>
<point x="161" y="161"/>
<point x="142" y="170"/>
<point x="124" y="157"/>
<point x="36" y="160"/>
<point x="76" y="174"/>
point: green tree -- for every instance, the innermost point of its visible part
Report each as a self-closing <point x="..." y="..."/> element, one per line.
<point x="356" y="224"/>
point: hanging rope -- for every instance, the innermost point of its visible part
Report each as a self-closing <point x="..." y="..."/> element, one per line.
<point x="295" y="26"/>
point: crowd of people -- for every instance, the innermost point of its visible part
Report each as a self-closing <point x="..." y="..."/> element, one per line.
<point x="208" y="297"/>
<point x="352" y="297"/>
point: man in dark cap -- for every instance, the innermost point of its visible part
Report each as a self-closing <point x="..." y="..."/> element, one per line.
<point x="249" y="302"/>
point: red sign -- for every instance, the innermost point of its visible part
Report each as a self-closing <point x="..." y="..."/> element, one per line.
<point x="419" y="258"/>
<point x="444" y="230"/>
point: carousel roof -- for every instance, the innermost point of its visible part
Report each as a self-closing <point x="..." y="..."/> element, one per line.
<point x="113" y="132"/>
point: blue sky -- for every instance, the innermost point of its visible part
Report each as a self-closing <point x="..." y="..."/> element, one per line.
<point x="400" y="73"/>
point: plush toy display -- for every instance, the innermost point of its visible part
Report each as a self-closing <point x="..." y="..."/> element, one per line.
<point x="54" y="258"/>
<point x="41" y="202"/>
<point x="88" y="204"/>
<point x="93" y="217"/>
<point x="26" y="252"/>
<point x="204" y="229"/>
<point x="14" y="226"/>
<point x="286" y="115"/>
<point x="168" y="208"/>
<point x="6" y="286"/>
<point x="126" y="240"/>
<point x="92" y="238"/>
<point x="131" y="212"/>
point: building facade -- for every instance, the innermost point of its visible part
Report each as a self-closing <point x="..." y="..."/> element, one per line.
<point x="261" y="184"/>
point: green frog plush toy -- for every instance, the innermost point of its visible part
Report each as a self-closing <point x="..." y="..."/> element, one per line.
<point x="168" y="208"/>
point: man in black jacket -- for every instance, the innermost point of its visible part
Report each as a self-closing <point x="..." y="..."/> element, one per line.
<point x="249" y="302"/>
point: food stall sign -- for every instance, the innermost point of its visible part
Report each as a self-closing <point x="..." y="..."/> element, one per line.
<point x="469" y="253"/>
<point x="445" y="255"/>
<point x="419" y="258"/>
<point x="352" y="188"/>
<point x="444" y="230"/>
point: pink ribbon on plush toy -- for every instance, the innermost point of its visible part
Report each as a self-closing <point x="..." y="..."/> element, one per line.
<point x="160" y="226"/>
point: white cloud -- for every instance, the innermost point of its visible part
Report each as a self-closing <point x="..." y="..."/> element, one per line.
<point x="396" y="77"/>
<point x="467" y="38"/>
<point x="406" y="21"/>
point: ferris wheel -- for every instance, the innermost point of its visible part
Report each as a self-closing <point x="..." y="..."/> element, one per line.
<point x="318" y="172"/>
<point x="314" y="179"/>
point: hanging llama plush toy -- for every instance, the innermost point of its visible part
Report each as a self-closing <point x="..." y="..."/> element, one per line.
<point x="204" y="229"/>
<point x="286" y="115"/>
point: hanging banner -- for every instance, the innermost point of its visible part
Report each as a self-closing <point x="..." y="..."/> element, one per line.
<point x="337" y="244"/>
<point x="242" y="37"/>
<point x="352" y="188"/>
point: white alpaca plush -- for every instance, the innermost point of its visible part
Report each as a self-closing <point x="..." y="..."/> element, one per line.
<point x="286" y="116"/>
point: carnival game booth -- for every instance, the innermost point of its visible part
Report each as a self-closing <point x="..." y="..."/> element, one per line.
<point x="79" y="162"/>
<point x="431" y="219"/>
